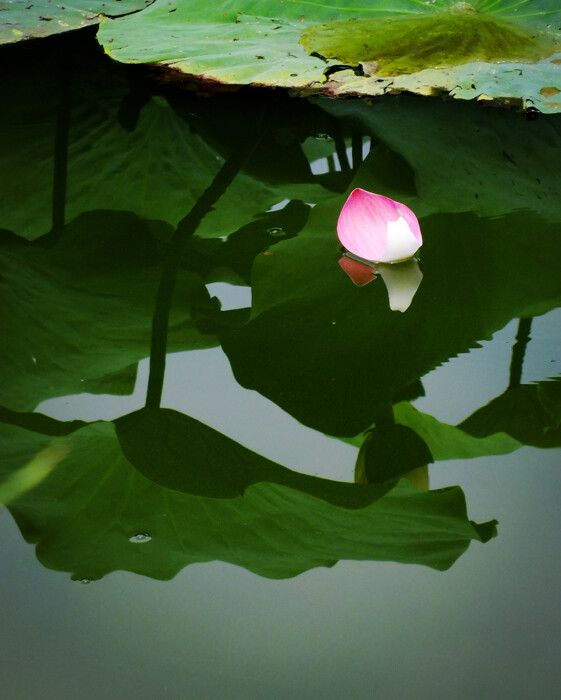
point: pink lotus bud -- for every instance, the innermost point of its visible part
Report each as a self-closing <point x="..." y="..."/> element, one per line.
<point x="376" y="228"/>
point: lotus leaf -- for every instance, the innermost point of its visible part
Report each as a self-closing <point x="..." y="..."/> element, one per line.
<point x="486" y="49"/>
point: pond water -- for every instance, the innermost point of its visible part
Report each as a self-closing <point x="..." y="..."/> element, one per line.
<point x="188" y="375"/>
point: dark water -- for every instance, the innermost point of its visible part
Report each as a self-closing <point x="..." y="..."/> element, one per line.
<point x="187" y="376"/>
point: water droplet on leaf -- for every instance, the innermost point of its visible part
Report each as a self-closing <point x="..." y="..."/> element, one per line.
<point x="275" y="231"/>
<point x="140" y="537"/>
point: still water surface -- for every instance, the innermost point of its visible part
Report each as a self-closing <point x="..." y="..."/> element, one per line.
<point x="278" y="586"/>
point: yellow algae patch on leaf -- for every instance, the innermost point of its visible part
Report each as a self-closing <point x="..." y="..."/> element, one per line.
<point x="405" y="45"/>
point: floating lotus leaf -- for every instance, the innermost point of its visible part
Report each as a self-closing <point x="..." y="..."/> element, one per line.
<point x="22" y="19"/>
<point x="484" y="49"/>
<point x="404" y="45"/>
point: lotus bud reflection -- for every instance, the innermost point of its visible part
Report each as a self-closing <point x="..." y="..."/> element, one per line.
<point x="402" y="280"/>
<point x="378" y="229"/>
<point x="419" y="476"/>
<point x="360" y="272"/>
<point x="393" y="452"/>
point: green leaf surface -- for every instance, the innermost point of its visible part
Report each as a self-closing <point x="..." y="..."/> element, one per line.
<point x="77" y="314"/>
<point x="536" y="85"/>
<point x="450" y="442"/>
<point x="31" y="474"/>
<point x="322" y="335"/>
<point x="446" y="441"/>
<point x="485" y="49"/>
<point x="181" y="453"/>
<point x="459" y="157"/>
<point x="405" y="45"/>
<point x="149" y="157"/>
<point x="82" y="516"/>
<point x="20" y="19"/>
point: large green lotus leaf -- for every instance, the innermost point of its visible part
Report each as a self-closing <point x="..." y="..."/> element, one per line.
<point x="531" y="85"/>
<point x="157" y="167"/>
<point x="463" y="158"/>
<point x="83" y="515"/>
<point x="388" y="45"/>
<point x="406" y="44"/>
<point x="336" y="352"/>
<point x="20" y="19"/>
<point x="79" y="314"/>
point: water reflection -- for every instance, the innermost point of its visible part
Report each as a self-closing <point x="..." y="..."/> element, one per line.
<point x="117" y="270"/>
<point x="402" y="279"/>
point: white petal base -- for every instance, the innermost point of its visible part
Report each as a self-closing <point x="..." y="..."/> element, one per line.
<point x="402" y="244"/>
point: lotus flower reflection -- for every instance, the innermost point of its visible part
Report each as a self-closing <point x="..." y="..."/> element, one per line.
<point x="402" y="280"/>
<point x="378" y="229"/>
